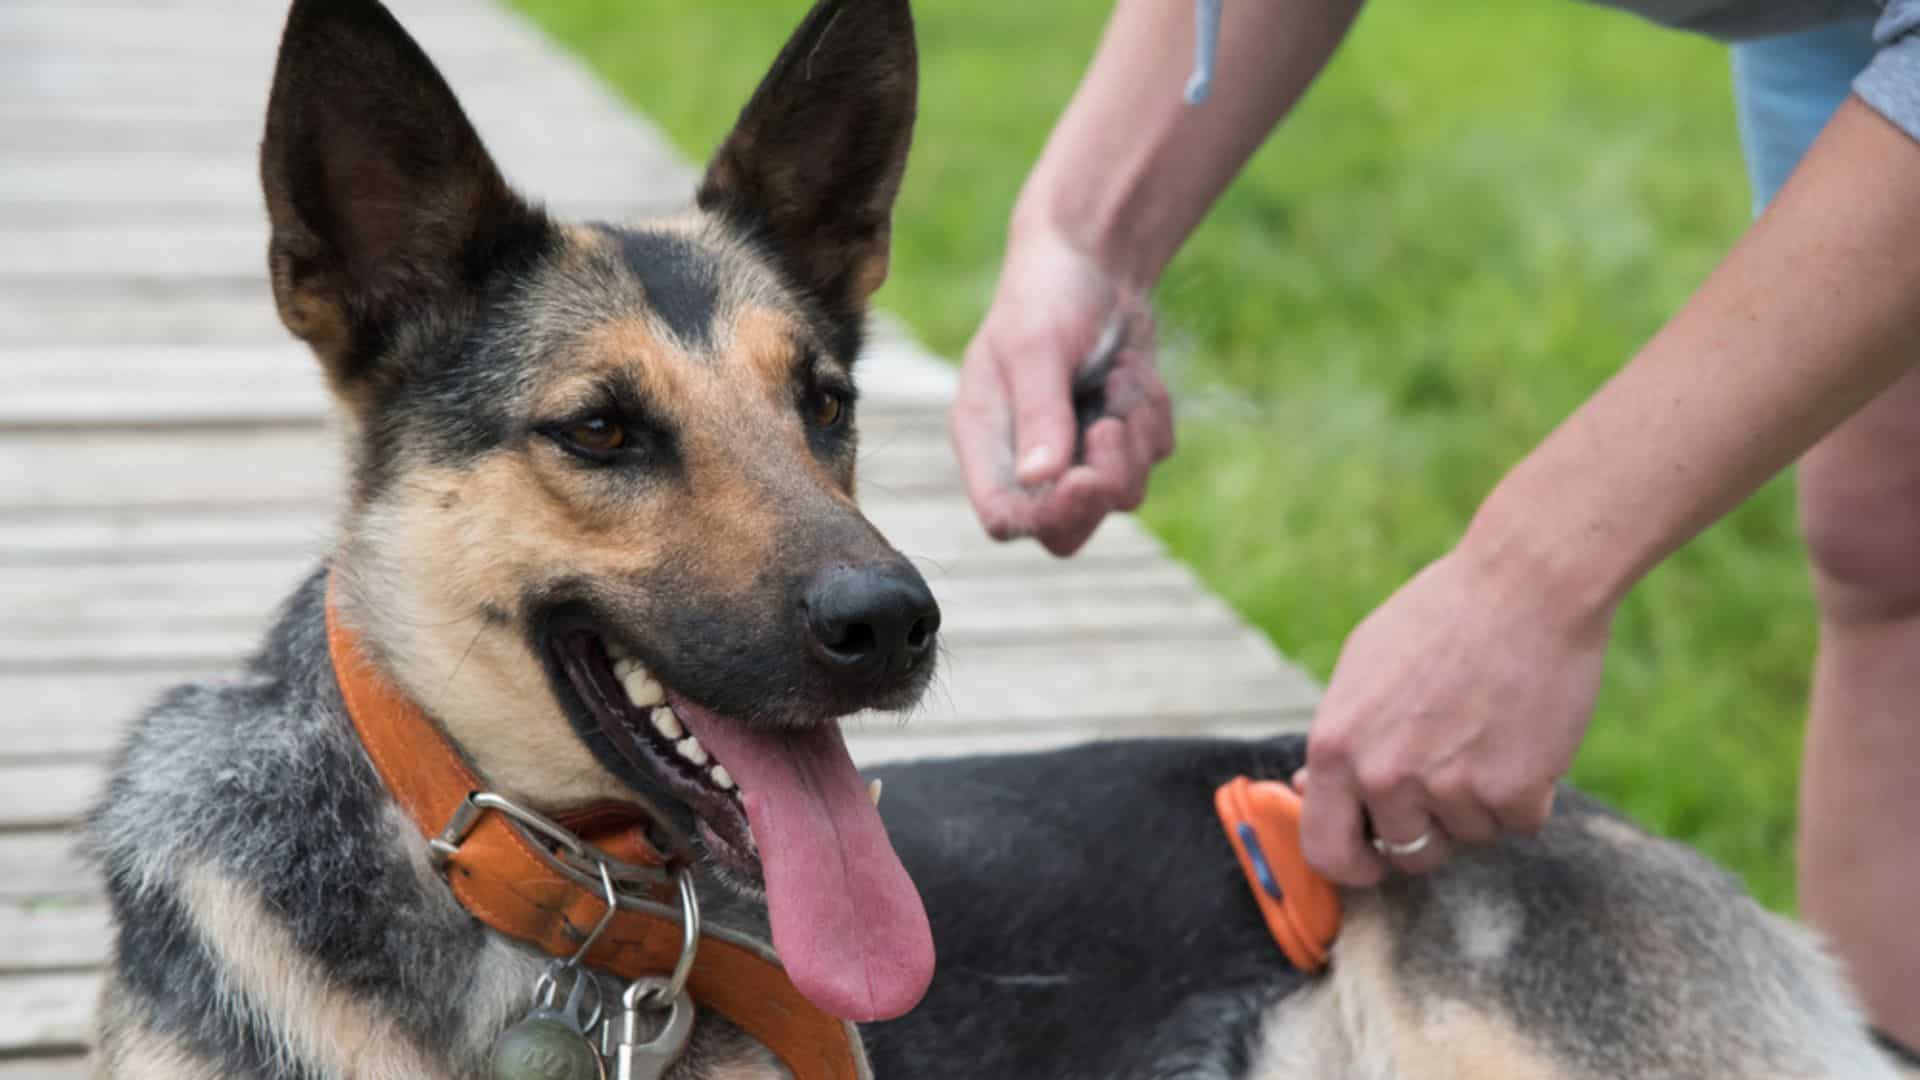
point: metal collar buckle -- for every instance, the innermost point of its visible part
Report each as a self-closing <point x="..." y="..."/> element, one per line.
<point x="561" y="842"/>
<point x="585" y="859"/>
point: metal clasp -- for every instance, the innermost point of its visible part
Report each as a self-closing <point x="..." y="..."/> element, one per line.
<point x="669" y="993"/>
<point x="442" y="848"/>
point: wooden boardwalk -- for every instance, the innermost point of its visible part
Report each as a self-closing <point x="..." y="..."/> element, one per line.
<point x="167" y="473"/>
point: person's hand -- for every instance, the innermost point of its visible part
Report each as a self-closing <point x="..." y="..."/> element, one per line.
<point x="1013" y="421"/>
<point x="1454" y="709"/>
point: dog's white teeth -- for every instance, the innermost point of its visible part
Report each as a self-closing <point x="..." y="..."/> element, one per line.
<point x="667" y="724"/>
<point x="721" y="778"/>
<point x="873" y="791"/>
<point x="642" y="689"/>
<point x="691" y="749"/>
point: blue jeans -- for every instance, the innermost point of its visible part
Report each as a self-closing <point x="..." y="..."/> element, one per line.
<point x="1785" y="90"/>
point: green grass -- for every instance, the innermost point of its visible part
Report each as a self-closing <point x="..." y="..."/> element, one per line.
<point x="1474" y="218"/>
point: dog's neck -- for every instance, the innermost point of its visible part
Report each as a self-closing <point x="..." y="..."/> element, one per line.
<point x="274" y="866"/>
<point x="504" y="875"/>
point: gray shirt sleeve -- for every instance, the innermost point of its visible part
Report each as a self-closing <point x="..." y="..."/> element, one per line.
<point x="1891" y="83"/>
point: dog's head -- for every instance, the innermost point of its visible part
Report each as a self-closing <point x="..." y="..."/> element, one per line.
<point x="602" y="523"/>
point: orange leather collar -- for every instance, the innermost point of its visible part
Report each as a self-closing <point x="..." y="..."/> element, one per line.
<point x="515" y="885"/>
<point x="1302" y="909"/>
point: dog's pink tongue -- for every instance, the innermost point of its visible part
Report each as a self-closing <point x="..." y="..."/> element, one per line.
<point x="847" y="921"/>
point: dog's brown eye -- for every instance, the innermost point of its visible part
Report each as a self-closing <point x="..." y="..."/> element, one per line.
<point x="599" y="435"/>
<point x="827" y="411"/>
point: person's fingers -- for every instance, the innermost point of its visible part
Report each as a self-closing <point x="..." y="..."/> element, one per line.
<point x="980" y="424"/>
<point x="1138" y="471"/>
<point x="1140" y="461"/>
<point x="1068" y="515"/>
<point x="1333" y="833"/>
<point x="1157" y="420"/>
<point x="1039" y="390"/>
<point x="1414" y="839"/>
<point x="1111" y="469"/>
<point x="1139" y="396"/>
<point x="1522" y="809"/>
<point x="980" y="446"/>
<point x="1451" y="799"/>
<point x="1467" y="823"/>
<point x="985" y="489"/>
<point x="1005" y="515"/>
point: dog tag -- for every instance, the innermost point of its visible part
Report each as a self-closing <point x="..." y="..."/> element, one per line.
<point x="635" y="1059"/>
<point x="551" y="1043"/>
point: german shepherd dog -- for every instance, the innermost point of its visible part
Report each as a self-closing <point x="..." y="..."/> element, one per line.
<point x="605" y="475"/>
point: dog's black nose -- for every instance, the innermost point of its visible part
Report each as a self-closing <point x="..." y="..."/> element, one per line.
<point x="872" y="621"/>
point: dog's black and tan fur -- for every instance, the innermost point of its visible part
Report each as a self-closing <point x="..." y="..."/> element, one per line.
<point x="647" y="431"/>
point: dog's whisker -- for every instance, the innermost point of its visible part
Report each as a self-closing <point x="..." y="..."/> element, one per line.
<point x="928" y="560"/>
<point x="471" y="644"/>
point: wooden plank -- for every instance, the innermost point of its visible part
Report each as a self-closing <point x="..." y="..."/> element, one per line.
<point x="86" y="537"/>
<point x="68" y="714"/>
<point x="938" y="532"/>
<point x="238" y="76"/>
<point x="53" y="470"/>
<point x="157" y="249"/>
<point x="175" y="643"/>
<point x="264" y="466"/>
<point x="128" y="125"/>
<point x="50" y="907"/>
<point x="501" y="98"/>
<point x="163" y="615"/>
<point x="512" y="105"/>
<point x="986" y="690"/>
<point x="43" y="867"/>
<point x="70" y="1067"/>
<point x="74" y="185"/>
<point x="48" y="1012"/>
<point x="197" y="593"/>
<point x="216" y="315"/>
<point x="872" y="741"/>
<point x="39" y="795"/>
<point x="276" y="381"/>
<point x="220" y="593"/>
<point x="59" y="906"/>
<point x="69" y="29"/>
<point x="224" y="250"/>
<point x="102" y="312"/>
<point x="877" y="744"/>
<point x="52" y="934"/>
<point x="265" y="385"/>
<point x="409" y="7"/>
<point x="80" y="54"/>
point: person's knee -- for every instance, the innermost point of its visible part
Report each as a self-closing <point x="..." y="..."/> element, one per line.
<point x="1863" y="538"/>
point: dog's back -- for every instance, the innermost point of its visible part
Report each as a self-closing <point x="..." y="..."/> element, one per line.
<point x="1093" y="923"/>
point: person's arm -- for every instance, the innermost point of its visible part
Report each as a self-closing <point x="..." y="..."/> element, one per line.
<point x="1815" y="312"/>
<point x="1462" y="700"/>
<point x="1131" y="168"/>
<point x="1127" y="173"/>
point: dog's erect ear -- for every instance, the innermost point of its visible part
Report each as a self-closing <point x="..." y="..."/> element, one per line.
<point x="815" y="161"/>
<point x="382" y="198"/>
